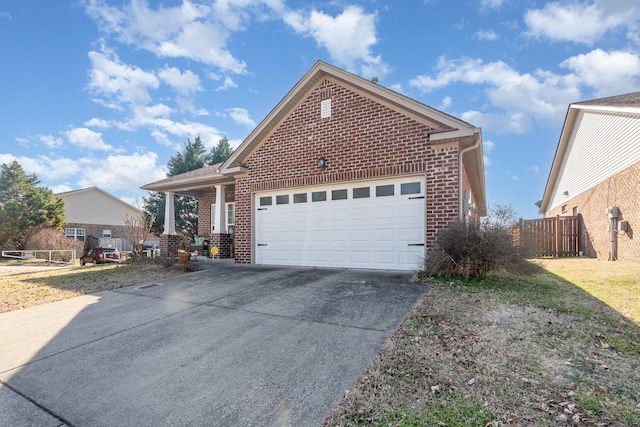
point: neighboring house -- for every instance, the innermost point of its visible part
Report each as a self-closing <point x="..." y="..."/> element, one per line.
<point x="343" y="172"/>
<point x="92" y="214"/>
<point x="596" y="175"/>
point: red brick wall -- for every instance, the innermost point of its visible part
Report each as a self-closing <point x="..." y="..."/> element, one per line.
<point x="222" y="241"/>
<point x="169" y="244"/>
<point x="621" y="190"/>
<point x="362" y="139"/>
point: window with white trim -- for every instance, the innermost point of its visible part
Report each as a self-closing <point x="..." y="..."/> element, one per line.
<point x="106" y="234"/>
<point x="75" y="233"/>
<point x="231" y="217"/>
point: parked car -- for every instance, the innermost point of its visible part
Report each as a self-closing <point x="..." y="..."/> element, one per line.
<point x="100" y="256"/>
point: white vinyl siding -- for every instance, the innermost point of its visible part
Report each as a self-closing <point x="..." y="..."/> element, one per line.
<point x="601" y="145"/>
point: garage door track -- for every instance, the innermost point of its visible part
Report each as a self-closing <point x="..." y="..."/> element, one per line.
<point x="230" y="345"/>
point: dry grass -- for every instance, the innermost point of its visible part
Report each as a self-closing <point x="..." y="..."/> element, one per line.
<point x="25" y="289"/>
<point x="508" y="350"/>
<point x="617" y="284"/>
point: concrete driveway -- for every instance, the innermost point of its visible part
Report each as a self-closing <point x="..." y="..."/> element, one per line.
<point x="231" y="345"/>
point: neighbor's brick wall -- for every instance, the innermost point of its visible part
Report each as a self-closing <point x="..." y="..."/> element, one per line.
<point x="621" y="190"/>
<point x="95" y="230"/>
<point x="361" y="140"/>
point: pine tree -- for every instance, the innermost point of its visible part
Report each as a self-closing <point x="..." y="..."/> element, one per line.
<point x="25" y="208"/>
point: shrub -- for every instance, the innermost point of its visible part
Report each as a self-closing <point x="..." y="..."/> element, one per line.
<point x="477" y="248"/>
<point x="51" y="239"/>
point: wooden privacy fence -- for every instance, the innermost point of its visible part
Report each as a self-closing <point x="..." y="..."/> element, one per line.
<point x="553" y="237"/>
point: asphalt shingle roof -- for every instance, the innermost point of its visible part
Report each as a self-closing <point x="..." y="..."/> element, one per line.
<point x="627" y="100"/>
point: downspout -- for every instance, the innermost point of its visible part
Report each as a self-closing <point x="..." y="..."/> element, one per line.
<point x="460" y="157"/>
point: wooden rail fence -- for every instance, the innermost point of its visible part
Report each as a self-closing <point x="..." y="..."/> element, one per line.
<point x="553" y="237"/>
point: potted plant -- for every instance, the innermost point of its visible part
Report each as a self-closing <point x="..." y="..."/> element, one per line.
<point x="183" y="252"/>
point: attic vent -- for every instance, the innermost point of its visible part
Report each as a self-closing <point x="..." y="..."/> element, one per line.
<point x="325" y="108"/>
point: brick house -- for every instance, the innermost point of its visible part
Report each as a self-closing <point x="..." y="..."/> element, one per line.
<point x="343" y="172"/>
<point x="597" y="167"/>
<point x="92" y="214"/>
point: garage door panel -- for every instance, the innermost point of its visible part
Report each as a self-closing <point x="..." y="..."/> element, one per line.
<point x="385" y="236"/>
<point x="411" y="210"/>
<point x="384" y="212"/>
<point x="385" y="257"/>
<point x="339" y="258"/>
<point x="318" y="256"/>
<point x="365" y="232"/>
<point x="361" y="257"/>
<point x="339" y="236"/>
<point x="410" y="235"/>
<point x="361" y="235"/>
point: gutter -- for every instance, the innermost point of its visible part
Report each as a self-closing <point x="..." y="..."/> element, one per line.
<point x="460" y="157"/>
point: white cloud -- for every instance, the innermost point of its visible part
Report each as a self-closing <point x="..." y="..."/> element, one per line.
<point x="489" y="35"/>
<point x="610" y="73"/>
<point x="189" y="30"/>
<point x="50" y="141"/>
<point x="86" y="138"/>
<point x="97" y="123"/>
<point x="122" y="172"/>
<point x="581" y="22"/>
<point x="520" y="100"/>
<point x="446" y="103"/>
<point x="45" y="168"/>
<point x="119" y="82"/>
<point x="348" y="37"/>
<point x="184" y="83"/>
<point x="228" y="83"/>
<point x="125" y="172"/>
<point x="61" y="188"/>
<point x="488" y="145"/>
<point x="491" y="4"/>
<point x="241" y="116"/>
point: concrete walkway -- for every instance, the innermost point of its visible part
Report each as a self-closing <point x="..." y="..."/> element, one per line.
<point x="230" y="345"/>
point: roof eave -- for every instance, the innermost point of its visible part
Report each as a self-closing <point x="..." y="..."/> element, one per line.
<point x="565" y="134"/>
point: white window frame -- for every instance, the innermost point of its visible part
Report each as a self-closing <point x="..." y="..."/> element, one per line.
<point x="231" y="217"/>
<point x="75" y="233"/>
<point x="213" y="217"/>
<point x="106" y="234"/>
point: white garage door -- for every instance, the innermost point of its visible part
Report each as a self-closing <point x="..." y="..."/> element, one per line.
<point x="377" y="224"/>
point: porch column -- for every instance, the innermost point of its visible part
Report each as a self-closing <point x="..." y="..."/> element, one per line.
<point x="169" y="240"/>
<point x="169" y="214"/>
<point x="220" y="217"/>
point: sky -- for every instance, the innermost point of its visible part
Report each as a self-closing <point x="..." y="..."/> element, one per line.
<point x="103" y="92"/>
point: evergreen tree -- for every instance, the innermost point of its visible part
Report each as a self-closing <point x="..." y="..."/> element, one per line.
<point x="194" y="156"/>
<point x="221" y="152"/>
<point x="25" y="208"/>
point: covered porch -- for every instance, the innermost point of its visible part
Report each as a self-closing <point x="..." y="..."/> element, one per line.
<point x="215" y="194"/>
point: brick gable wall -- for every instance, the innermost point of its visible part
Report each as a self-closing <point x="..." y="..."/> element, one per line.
<point x="361" y="140"/>
<point x="621" y="190"/>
